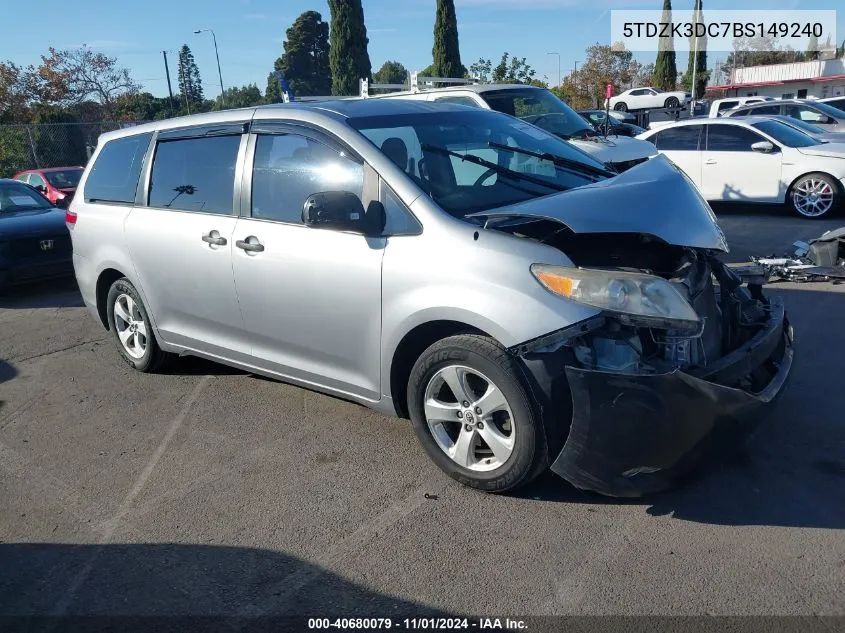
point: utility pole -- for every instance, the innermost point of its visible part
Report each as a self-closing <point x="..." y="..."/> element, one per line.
<point x="558" y="66"/>
<point x="575" y="78"/>
<point x="219" y="74"/>
<point x="167" y="74"/>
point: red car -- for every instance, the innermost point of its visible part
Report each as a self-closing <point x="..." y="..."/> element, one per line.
<point x="57" y="184"/>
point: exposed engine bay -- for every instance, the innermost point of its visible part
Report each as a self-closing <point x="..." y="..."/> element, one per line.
<point x="730" y="312"/>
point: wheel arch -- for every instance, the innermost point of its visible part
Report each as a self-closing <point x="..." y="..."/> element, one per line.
<point x="836" y="181"/>
<point x="104" y="281"/>
<point x="409" y="349"/>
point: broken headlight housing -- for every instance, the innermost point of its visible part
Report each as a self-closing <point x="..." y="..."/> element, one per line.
<point x="633" y="297"/>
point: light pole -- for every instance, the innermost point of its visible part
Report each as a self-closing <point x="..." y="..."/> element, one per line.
<point x="217" y="55"/>
<point x="558" y="66"/>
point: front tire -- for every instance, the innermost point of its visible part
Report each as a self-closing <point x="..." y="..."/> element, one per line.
<point x="621" y="107"/>
<point x="131" y="328"/>
<point x="471" y="410"/>
<point x="814" y="196"/>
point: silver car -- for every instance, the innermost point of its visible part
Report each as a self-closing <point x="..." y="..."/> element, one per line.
<point x="524" y="307"/>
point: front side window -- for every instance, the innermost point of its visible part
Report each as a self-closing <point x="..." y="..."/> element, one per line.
<point x="289" y="168"/>
<point x="731" y="138"/>
<point x="478" y="160"/>
<point x="682" y="138"/>
<point x="114" y="176"/>
<point x="195" y="174"/>
<point x="803" y="113"/>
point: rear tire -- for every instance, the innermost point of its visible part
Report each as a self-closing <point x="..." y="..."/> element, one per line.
<point x="621" y="107"/>
<point x="485" y="432"/>
<point x="672" y="102"/>
<point x="132" y="329"/>
<point x="814" y="196"/>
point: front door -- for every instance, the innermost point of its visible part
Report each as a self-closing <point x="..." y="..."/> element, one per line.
<point x="310" y="298"/>
<point x="731" y="170"/>
<point x="181" y="244"/>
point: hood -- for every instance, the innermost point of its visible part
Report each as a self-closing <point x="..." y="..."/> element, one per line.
<point x="21" y="224"/>
<point x="654" y="198"/>
<point x="615" y="149"/>
<point x="829" y="150"/>
<point x="831" y="137"/>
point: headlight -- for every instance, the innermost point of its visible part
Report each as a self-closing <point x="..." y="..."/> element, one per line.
<point x="615" y="291"/>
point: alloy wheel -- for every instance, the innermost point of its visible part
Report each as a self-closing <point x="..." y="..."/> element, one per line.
<point x="130" y="326"/>
<point x="813" y="197"/>
<point x="469" y="418"/>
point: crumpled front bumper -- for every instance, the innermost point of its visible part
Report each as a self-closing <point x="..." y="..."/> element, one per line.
<point x="634" y="434"/>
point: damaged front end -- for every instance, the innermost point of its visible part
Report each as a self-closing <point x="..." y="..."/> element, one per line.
<point x="648" y="397"/>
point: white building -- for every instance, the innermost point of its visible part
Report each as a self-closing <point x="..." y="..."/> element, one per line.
<point x="798" y="80"/>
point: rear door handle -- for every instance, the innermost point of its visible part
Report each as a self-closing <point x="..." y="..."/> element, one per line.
<point x="213" y="238"/>
<point x="253" y="246"/>
<point x="710" y="161"/>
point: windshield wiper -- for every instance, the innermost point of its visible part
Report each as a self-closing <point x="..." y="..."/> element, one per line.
<point x="560" y="161"/>
<point x="510" y="173"/>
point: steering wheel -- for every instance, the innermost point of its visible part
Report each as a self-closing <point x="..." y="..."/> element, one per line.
<point x="480" y="182"/>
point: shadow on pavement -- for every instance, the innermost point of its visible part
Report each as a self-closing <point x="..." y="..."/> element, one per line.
<point x="792" y="472"/>
<point x="127" y="581"/>
<point x="53" y="293"/>
<point x="7" y="372"/>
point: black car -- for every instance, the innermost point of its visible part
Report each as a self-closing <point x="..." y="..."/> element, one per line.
<point x="597" y="118"/>
<point x="34" y="240"/>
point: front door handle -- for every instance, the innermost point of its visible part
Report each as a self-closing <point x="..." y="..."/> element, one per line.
<point x="250" y="244"/>
<point x="213" y="238"/>
<point x="710" y="161"/>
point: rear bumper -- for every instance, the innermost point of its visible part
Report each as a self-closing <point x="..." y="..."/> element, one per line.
<point x="634" y="434"/>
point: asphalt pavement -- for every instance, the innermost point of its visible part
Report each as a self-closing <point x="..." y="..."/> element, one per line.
<point x="207" y="490"/>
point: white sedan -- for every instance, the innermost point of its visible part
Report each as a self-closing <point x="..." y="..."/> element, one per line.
<point x="759" y="160"/>
<point x="643" y="98"/>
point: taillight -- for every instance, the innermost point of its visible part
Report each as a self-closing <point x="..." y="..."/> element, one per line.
<point x="70" y="217"/>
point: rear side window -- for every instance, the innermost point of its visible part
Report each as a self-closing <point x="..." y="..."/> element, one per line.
<point x="114" y="176"/>
<point x="195" y="174"/>
<point x="465" y="101"/>
<point x="764" y="110"/>
<point x="727" y="105"/>
<point x="678" y="138"/>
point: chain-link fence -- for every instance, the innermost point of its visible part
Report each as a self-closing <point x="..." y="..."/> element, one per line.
<point x="39" y="145"/>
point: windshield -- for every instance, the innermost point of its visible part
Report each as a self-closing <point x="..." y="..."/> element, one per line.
<point x="15" y="196"/>
<point x="785" y="134"/>
<point x="65" y="178"/>
<point x="829" y="110"/>
<point x="541" y="108"/>
<point x="464" y="160"/>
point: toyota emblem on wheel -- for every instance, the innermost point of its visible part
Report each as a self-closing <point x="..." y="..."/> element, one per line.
<point x="46" y="245"/>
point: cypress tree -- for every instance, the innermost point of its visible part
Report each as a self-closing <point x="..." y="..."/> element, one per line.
<point x="348" y="55"/>
<point x="701" y="72"/>
<point x="446" y="53"/>
<point x="665" y="71"/>
<point x="812" y="49"/>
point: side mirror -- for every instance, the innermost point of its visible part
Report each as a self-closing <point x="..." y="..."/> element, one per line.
<point x="343" y="211"/>
<point x="763" y="147"/>
<point x="41" y="188"/>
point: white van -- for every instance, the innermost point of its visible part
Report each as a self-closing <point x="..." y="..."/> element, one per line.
<point x="720" y="106"/>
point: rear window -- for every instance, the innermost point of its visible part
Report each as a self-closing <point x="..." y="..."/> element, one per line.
<point x="114" y="176"/>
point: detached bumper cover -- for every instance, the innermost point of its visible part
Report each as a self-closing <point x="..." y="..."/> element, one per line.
<point x="633" y="434"/>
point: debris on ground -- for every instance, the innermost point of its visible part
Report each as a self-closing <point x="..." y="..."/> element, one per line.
<point x="822" y="259"/>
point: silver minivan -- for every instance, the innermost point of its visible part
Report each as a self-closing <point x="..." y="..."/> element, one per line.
<point x="526" y="308"/>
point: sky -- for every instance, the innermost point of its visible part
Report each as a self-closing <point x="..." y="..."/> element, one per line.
<point x="250" y="33"/>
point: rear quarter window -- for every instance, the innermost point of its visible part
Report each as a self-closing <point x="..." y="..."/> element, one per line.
<point x="114" y="175"/>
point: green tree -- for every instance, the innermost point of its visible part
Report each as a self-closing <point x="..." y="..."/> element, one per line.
<point x="702" y="75"/>
<point x="446" y="51"/>
<point x="391" y="73"/>
<point x="243" y="97"/>
<point x="758" y="51"/>
<point x="348" y="57"/>
<point x="481" y="70"/>
<point x="305" y="61"/>
<point x="665" y="69"/>
<point x="143" y="107"/>
<point x="840" y="50"/>
<point x="513" y="70"/>
<point x="190" y="85"/>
